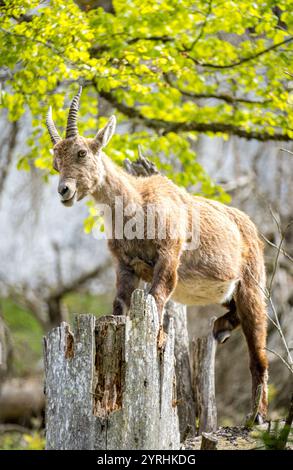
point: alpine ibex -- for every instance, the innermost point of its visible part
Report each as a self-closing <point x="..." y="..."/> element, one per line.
<point x="225" y="267"/>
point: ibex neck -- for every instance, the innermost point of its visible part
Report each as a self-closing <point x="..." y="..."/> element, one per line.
<point x="116" y="183"/>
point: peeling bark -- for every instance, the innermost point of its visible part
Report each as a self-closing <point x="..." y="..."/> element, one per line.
<point x="69" y="344"/>
<point x="109" y="365"/>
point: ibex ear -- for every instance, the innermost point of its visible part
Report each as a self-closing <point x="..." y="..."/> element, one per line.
<point x="104" y="135"/>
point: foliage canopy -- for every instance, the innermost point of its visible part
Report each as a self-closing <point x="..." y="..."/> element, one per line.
<point x="174" y="68"/>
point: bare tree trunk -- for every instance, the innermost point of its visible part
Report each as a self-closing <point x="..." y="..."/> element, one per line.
<point x="5" y="351"/>
<point x="8" y="145"/>
<point x="55" y="311"/>
<point x="108" y="386"/>
<point x="21" y="399"/>
<point x="204" y="350"/>
<point x="185" y="394"/>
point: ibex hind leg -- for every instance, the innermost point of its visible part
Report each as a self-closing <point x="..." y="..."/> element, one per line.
<point x="225" y="324"/>
<point x="251" y="309"/>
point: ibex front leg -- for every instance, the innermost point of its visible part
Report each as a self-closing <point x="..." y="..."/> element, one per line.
<point x="126" y="283"/>
<point x="164" y="280"/>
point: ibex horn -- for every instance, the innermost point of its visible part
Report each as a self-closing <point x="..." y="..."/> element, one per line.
<point x="71" y="129"/>
<point x="55" y="137"/>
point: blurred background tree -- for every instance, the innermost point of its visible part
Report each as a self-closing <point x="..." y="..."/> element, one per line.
<point x="173" y="68"/>
<point x="205" y="87"/>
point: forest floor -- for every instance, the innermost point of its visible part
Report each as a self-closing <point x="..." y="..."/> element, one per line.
<point x="228" y="437"/>
<point x="234" y="438"/>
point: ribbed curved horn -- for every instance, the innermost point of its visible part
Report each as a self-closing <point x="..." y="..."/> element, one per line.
<point x="71" y="129"/>
<point x="55" y="137"/>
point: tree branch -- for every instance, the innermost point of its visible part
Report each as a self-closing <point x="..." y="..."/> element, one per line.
<point x="168" y="126"/>
<point x="150" y="38"/>
<point x="287" y="151"/>
<point x="41" y="305"/>
<point x="221" y="96"/>
<point x="98" y="49"/>
<point x="201" y="32"/>
<point x="242" y="60"/>
<point x="78" y="282"/>
<point x="275" y="246"/>
<point x="281" y="358"/>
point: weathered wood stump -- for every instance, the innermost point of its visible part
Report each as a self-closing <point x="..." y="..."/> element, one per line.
<point x="108" y="386"/>
<point x="204" y="350"/>
<point x="185" y="394"/>
<point x="208" y="442"/>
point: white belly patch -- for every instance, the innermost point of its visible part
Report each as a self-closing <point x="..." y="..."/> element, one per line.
<point x="201" y="291"/>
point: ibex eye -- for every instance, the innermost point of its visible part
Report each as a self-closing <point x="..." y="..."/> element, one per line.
<point x="81" y="153"/>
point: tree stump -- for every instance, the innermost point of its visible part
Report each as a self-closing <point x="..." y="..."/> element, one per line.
<point x="204" y="350"/>
<point x="185" y="394"/>
<point x="208" y="442"/>
<point x="108" y="386"/>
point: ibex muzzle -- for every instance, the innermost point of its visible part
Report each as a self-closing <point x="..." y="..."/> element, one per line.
<point x="67" y="190"/>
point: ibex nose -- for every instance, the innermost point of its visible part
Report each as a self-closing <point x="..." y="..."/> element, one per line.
<point x="63" y="189"/>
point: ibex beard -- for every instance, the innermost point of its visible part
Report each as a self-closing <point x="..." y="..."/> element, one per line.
<point x="224" y="265"/>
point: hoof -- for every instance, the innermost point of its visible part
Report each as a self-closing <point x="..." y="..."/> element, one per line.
<point x="259" y="419"/>
<point x="251" y="421"/>
<point x="222" y="336"/>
